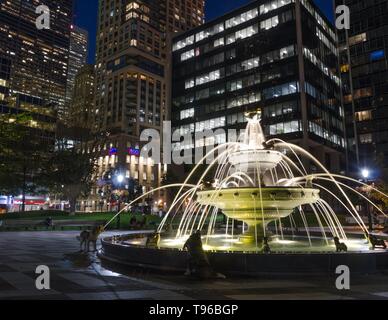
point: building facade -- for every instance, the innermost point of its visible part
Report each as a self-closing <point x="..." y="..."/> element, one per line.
<point x="36" y="61"/>
<point x="133" y="79"/>
<point x="82" y="101"/>
<point x="77" y="57"/>
<point x="279" y="55"/>
<point x="364" y="67"/>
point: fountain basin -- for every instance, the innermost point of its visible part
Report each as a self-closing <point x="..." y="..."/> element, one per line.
<point x="258" y="206"/>
<point x="244" y="263"/>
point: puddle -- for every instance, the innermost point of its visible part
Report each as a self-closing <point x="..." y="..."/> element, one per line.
<point x="80" y="260"/>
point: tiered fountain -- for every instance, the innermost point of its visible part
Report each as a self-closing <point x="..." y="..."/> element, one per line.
<point x="262" y="184"/>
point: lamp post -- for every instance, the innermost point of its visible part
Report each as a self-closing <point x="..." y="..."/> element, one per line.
<point x="365" y="173"/>
<point x="119" y="180"/>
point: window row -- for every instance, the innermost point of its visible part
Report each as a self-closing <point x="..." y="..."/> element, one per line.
<point x="278" y="54"/>
<point x="234" y="119"/>
<point x="285" y="127"/>
<point x="187" y="55"/>
<point x="327" y="42"/>
<point x="183" y="43"/>
<point x="269" y="23"/>
<point x="245" y="82"/>
<point x="324" y="133"/>
<point x="281" y="90"/>
<point x="273" y="5"/>
<point x="209" y="32"/>
<point x="243" y="66"/>
<point x="244" y="17"/>
<point x="209" y="77"/>
<point x="312" y="57"/>
<point x="242" y="34"/>
<point x="210" y="124"/>
<point x="243" y="100"/>
<point x="280" y="109"/>
<point x="186" y="114"/>
<point x="210" y="92"/>
<point x="211" y="141"/>
<point x="235" y="21"/>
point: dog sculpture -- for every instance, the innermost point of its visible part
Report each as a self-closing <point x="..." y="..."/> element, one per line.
<point x="341" y="247"/>
<point x="88" y="237"/>
<point x="377" y="243"/>
<point x="153" y="240"/>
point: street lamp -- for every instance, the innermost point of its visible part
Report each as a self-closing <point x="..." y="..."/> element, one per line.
<point x="120" y="179"/>
<point x="365" y="173"/>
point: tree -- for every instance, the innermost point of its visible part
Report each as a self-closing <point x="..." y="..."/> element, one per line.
<point x="23" y="156"/>
<point x="72" y="168"/>
<point x="381" y="184"/>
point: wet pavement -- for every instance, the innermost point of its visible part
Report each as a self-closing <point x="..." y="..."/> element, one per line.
<point x="79" y="276"/>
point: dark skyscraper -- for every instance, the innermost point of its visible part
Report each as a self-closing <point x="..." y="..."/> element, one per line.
<point x="82" y="104"/>
<point x="279" y="55"/>
<point x="364" y="67"/>
<point x="34" y="63"/>
<point x="77" y="57"/>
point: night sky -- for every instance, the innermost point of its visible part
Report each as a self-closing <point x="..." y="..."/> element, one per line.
<point x="86" y="14"/>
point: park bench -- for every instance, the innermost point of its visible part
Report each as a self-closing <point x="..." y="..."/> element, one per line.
<point x="81" y="224"/>
<point x="12" y="225"/>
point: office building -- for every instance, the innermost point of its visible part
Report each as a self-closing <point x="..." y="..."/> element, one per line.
<point x="277" y="55"/>
<point x="36" y="61"/>
<point x="77" y="57"/>
<point x="133" y="79"/>
<point x="364" y="67"/>
<point x="82" y="102"/>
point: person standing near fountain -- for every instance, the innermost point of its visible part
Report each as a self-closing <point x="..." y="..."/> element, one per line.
<point x="198" y="262"/>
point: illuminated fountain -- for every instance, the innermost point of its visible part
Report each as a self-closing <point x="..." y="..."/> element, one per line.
<point x="261" y="184"/>
<point x="254" y="201"/>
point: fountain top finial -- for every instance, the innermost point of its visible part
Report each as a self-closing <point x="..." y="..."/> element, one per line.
<point x="254" y="115"/>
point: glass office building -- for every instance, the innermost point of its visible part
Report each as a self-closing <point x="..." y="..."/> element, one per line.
<point x="364" y="67"/>
<point x="279" y="55"/>
<point x="33" y="62"/>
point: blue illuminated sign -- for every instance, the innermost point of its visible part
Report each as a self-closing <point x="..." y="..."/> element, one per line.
<point x="113" y="151"/>
<point x="377" y="55"/>
<point x="134" y="152"/>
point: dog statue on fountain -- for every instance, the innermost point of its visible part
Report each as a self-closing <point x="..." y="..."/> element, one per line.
<point x="153" y="240"/>
<point x="341" y="247"/>
<point x="198" y="262"/>
<point x="376" y="243"/>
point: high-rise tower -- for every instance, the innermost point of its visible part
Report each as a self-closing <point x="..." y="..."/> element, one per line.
<point x="133" y="77"/>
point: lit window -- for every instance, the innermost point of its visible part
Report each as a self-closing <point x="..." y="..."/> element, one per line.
<point x="366" y="138"/>
<point x="246" y="16"/>
<point x="357" y="39"/>
<point x="183" y="43"/>
<point x="187" y="55"/>
<point x="189" y="84"/>
<point x="186" y="114"/>
<point x="205" y="78"/>
<point x="364" y="115"/>
<point x="273" y="5"/>
<point x="219" y="42"/>
<point x="269" y="23"/>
